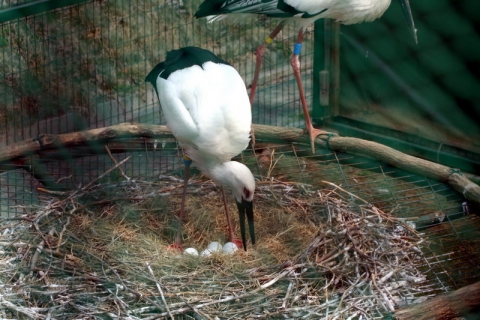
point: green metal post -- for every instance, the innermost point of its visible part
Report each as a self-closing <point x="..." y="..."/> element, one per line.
<point x="318" y="111"/>
<point x="34" y="7"/>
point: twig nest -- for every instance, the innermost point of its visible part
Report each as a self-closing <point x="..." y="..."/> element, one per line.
<point x="229" y="248"/>
<point x="191" y="251"/>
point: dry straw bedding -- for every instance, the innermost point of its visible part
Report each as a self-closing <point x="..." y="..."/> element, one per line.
<point x="101" y="252"/>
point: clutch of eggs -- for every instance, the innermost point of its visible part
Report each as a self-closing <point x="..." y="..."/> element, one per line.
<point x="213" y="247"/>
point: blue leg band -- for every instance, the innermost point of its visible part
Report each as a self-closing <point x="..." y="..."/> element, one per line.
<point x="297" y="48"/>
<point x="186" y="160"/>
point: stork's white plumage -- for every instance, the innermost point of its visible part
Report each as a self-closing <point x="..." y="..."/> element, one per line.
<point x="304" y="12"/>
<point x="206" y="106"/>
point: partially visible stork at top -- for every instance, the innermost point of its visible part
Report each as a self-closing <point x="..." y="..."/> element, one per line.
<point x="304" y="12"/>
<point x="205" y="104"/>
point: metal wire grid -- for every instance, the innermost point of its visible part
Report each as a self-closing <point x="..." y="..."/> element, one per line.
<point x="452" y="249"/>
<point x="390" y="81"/>
<point x="16" y="190"/>
<point x="88" y="72"/>
<point x="83" y="66"/>
<point x="452" y="252"/>
<point x="109" y="95"/>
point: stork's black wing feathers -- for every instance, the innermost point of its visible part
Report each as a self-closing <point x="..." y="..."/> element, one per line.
<point x="181" y="59"/>
<point x="272" y="8"/>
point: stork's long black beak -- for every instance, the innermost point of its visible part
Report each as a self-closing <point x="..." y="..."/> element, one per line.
<point x="246" y="208"/>
<point x="408" y="14"/>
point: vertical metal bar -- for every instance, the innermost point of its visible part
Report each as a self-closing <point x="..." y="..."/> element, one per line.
<point x="327" y="42"/>
<point x="318" y="111"/>
<point x="335" y="70"/>
<point x="325" y="73"/>
<point x="327" y="77"/>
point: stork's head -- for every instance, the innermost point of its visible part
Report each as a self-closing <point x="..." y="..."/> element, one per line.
<point x="239" y="178"/>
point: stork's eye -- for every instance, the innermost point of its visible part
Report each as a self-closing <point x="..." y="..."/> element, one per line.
<point x="246" y="192"/>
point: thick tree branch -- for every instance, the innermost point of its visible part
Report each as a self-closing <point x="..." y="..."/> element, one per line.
<point x="463" y="303"/>
<point x="97" y="137"/>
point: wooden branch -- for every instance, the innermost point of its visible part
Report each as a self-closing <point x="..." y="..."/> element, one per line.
<point x="458" y="304"/>
<point x="429" y="169"/>
<point x="90" y="137"/>
<point x="98" y="137"/>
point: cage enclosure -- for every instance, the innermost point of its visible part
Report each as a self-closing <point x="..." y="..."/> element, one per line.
<point x="381" y="217"/>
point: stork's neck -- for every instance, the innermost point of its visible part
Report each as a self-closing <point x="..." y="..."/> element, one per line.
<point x="222" y="173"/>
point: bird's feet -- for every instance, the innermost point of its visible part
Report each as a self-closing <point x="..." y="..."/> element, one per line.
<point x="236" y="241"/>
<point x="313" y="135"/>
<point x="176" y="247"/>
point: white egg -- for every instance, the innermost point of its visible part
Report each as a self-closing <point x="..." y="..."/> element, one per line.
<point x="191" y="251"/>
<point x="411" y="225"/>
<point x="215" y="246"/>
<point x="229" y="248"/>
<point x="206" y="253"/>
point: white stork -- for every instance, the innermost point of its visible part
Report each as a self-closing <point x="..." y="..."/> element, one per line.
<point x="206" y="106"/>
<point x="304" y="12"/>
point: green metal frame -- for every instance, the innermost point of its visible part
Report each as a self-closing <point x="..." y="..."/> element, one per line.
<point x="326" y="75"/>
<point x="34" y="7"/>
<point x="319" y="111"/>
<point x="327" y="61"/>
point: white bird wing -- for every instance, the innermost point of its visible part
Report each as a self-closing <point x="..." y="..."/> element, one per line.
<point x="344" y="11"/>
<point x="178" y="116"/>
<point x="273" y="8"/>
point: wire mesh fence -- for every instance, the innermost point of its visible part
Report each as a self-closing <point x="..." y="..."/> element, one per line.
<point x="83" y="66"/>
<point x="123" y="201"/>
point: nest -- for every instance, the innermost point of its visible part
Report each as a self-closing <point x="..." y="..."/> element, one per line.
<point x="101" y="251"/>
